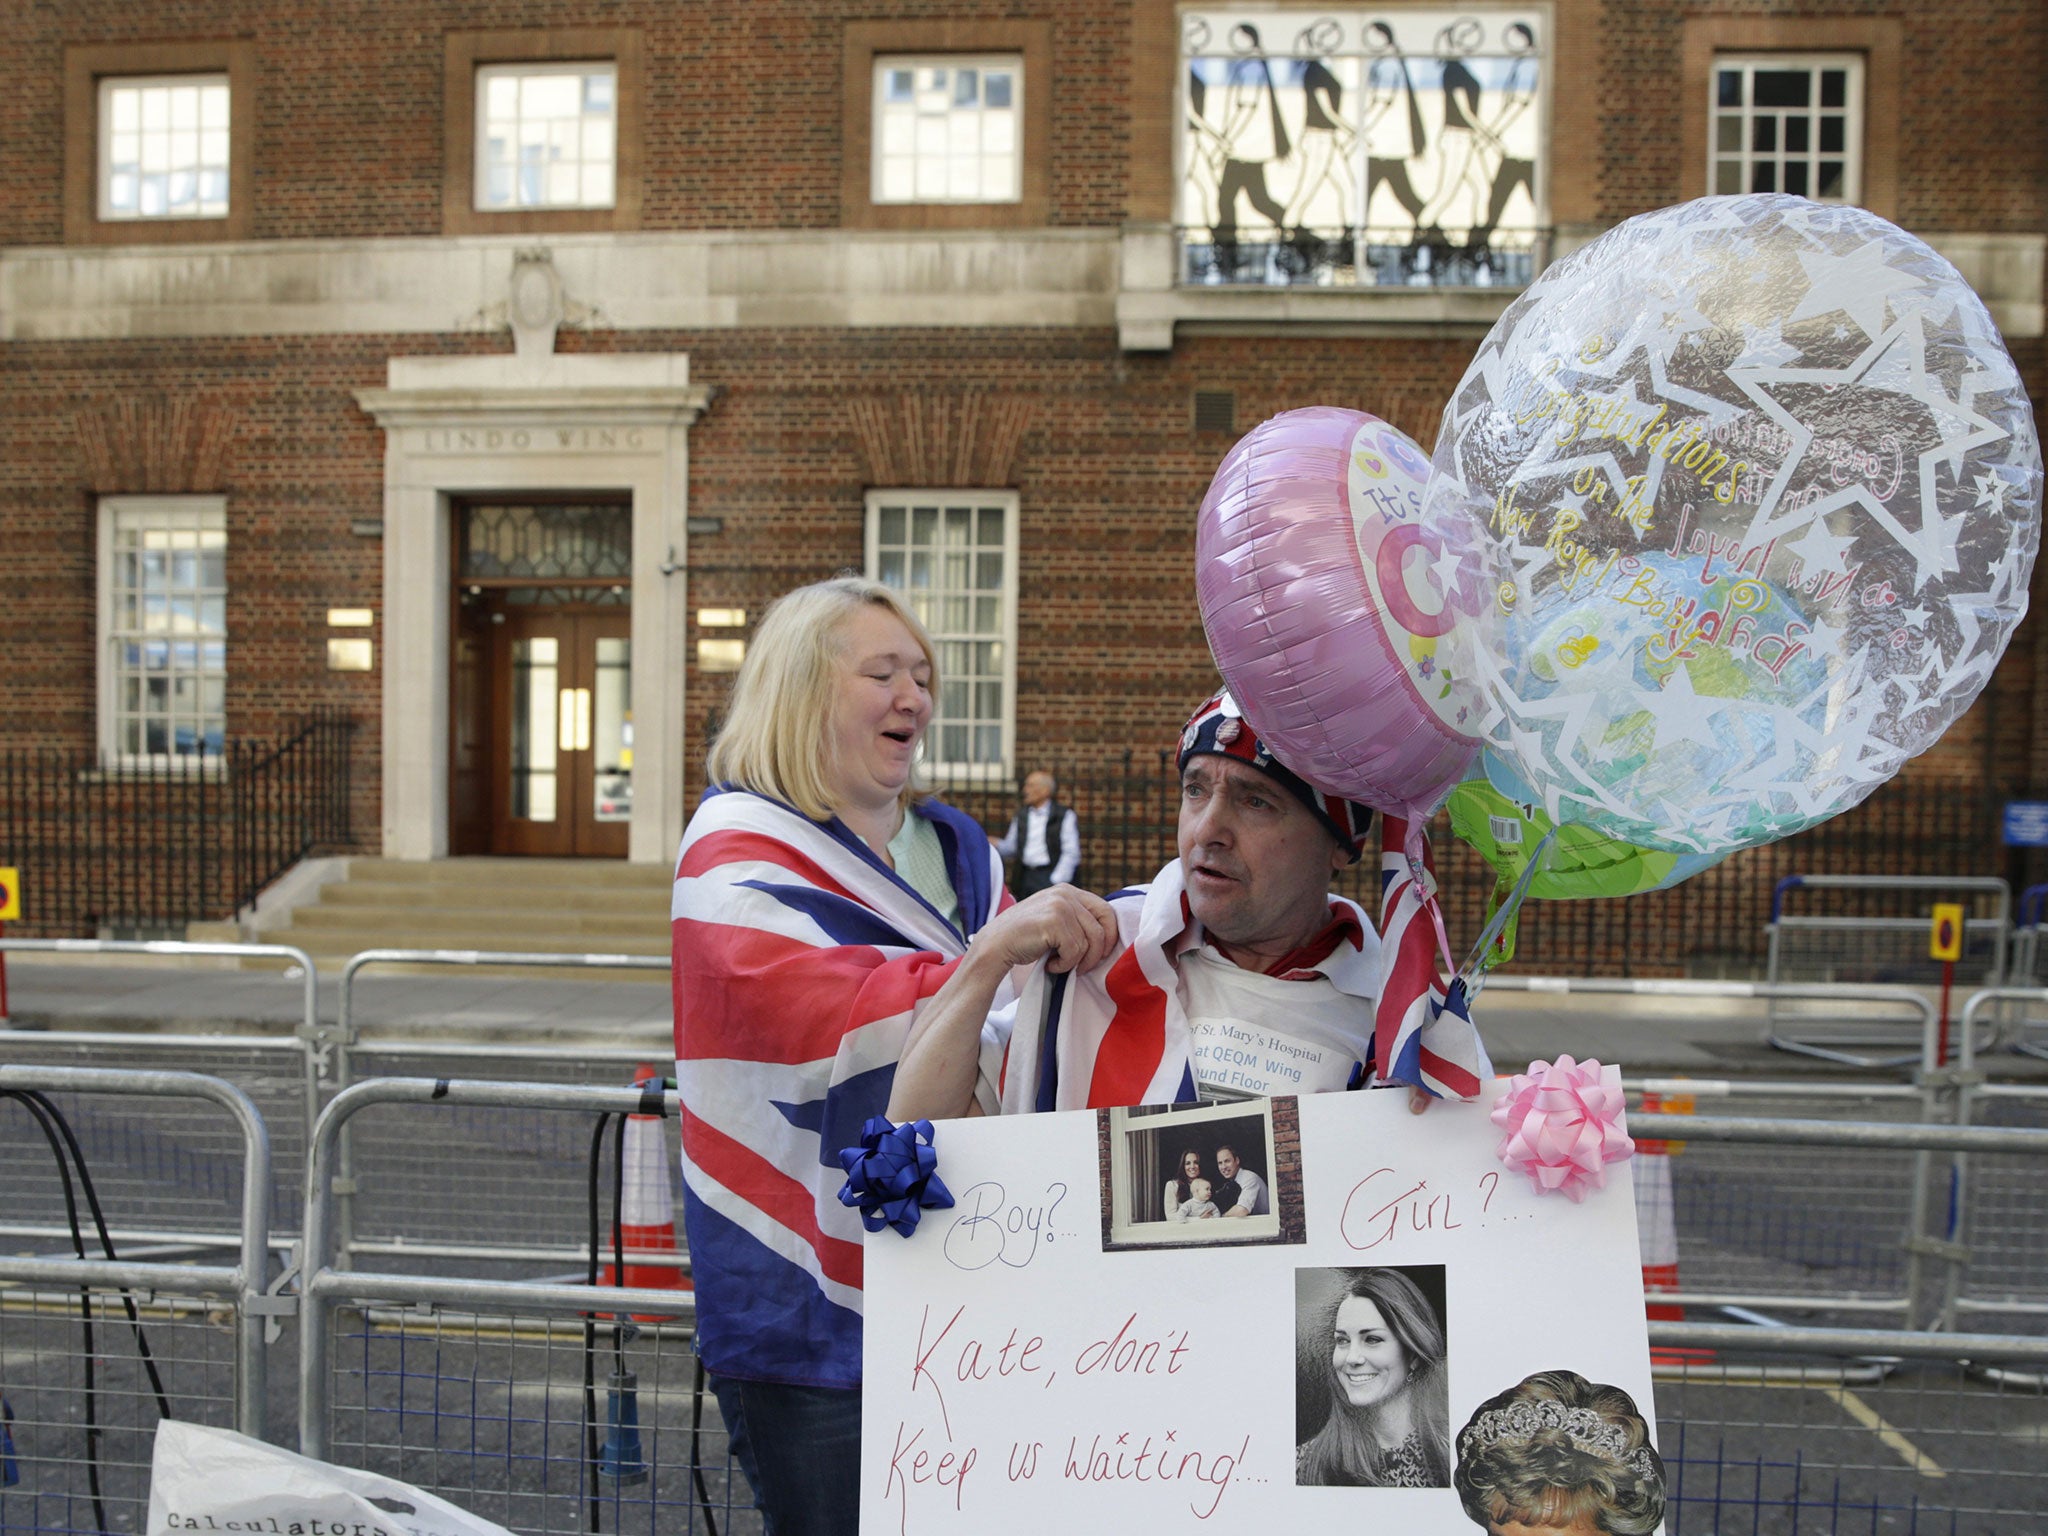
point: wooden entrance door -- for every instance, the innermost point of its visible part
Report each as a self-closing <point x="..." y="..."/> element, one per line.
<point x="561" y="753"/>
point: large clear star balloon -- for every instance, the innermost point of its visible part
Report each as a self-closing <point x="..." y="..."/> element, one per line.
<point x="1742" y="499"/>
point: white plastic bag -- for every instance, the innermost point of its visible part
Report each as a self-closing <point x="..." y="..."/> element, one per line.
<point x="215" y="1480"/>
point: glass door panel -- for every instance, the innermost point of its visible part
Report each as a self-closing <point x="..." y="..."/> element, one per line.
<point x="536" y="737"/>
<point x="612" y="730"/>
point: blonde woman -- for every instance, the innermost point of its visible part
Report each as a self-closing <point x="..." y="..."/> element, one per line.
<point x="826" y="916"/>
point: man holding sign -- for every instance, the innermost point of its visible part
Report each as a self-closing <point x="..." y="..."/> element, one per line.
<point x="1236" y="974"/>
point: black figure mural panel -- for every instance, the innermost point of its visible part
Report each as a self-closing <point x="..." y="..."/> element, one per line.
<point x="1359" y="147"/>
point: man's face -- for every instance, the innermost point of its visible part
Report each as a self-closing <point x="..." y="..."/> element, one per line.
<point x="1037" y="788"/>
<point x="1226" y="1162"/>
<point x="1256" y="860"/>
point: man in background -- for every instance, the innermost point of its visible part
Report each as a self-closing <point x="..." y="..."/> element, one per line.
<point x="1044" y="839"/>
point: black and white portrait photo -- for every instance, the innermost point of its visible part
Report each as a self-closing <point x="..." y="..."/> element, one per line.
<point x="1372" y="1406"/>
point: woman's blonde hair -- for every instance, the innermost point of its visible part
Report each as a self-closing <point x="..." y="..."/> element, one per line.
<point x="774" y="740"/>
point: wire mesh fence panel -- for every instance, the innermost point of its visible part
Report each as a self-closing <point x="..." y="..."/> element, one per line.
<point x="174" y="1167"/>
<point x="84" y="1418"/>
<point x="493" y="1414"/>
<point x="1859" y="953"/>
<point x="523" y="1186"/>
<point x="2001" y="1219"/>
<point x="507" y="1182"/>
<point x="1879" y="935"/>
<point x="1913" y="1449"/>
<point x="1808" y="1222"/>
<point x="1832" y="1226"/>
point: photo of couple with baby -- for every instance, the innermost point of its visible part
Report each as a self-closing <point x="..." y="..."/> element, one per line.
<point x="1221" y="1187"/>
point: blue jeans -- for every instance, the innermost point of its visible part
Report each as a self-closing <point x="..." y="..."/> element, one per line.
<point x="800" y="1448"/>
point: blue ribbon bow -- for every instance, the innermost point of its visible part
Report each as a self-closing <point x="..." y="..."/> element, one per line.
<point x="893" y="1175"/>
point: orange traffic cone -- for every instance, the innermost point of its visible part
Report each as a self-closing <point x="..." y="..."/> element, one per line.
<point x="1657" y="1227"/>
<point x="647" y="1207"/>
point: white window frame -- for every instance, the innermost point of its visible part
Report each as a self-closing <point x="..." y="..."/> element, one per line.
<point x="1005" y="502"/>
<point x="887" y="63"/>
<point x="1855" y="125"/>
<point x="201" y="511"/>
<point x="481" y="170"/>
<point x="1127" y="1199"/>
<point x="104" y="145"/>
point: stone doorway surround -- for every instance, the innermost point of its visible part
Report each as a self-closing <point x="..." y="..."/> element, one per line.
<point x="534" y="422"/>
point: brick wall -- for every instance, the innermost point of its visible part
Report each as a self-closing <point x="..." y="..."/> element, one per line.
<point x="1971" y="74"/>
<point x="350" y="105"/>
<point x="1108" y="469"/>
<point x="1109" y="473"/>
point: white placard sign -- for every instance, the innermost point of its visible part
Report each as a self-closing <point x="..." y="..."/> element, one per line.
<point x="1077" y="1346"/>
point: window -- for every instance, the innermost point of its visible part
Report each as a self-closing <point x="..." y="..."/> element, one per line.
<point x="542" y="131"/>
<point x="953" y="556"/>
<point x="1788" y="123"/>
<point x="164" y="147"/>
<point x="163" y="621"/>
<point x="159" y="142"/>
<point x="546" y="135"/>
<point x="946" y="128"/>
<point x="1399" y="147"/>
<point x="946" y="124"/>
<point x="1758" y="125"/>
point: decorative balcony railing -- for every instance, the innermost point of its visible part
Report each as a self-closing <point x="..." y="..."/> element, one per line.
<point x="1360" y="257"/>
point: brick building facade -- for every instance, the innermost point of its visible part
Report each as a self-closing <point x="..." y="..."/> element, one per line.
<point x="750" y="341"/>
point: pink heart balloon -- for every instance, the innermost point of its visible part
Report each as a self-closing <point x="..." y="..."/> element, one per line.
<point x="1322" y="597"/>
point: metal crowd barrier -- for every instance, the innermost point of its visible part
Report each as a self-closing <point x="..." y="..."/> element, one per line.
<point x="2027" y="1033"/>
<point x="1846" y="1238"/>
<point x="309" y="1028"/>
<point x="1911" y="1036"/>
<point x="473" y="957"/>
<point x="384" y="1215"/>
<point x="1837" y="1242"/>
<point x="1774" y="1427"/>
<point x="1849" y="1038"/>
<point x="385" y="1357"/>
<point x="404" y="1234"/>
<point x="2001" y="1231"/>
<point x="516" y="1398"/>
<point x="188" y="1338"/>
<point x="281" y="1073"/>
<point x="2026" y="936"/>
<point x="1767" y="1426"/>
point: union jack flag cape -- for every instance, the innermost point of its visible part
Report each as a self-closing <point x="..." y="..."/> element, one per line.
<point x="1118" y="1036"/>
<point x="1424" y="1034"/>
<point x="801" y="960"/>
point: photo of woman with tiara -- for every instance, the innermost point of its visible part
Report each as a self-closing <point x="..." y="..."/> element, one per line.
<point x="1560" y="1454"/>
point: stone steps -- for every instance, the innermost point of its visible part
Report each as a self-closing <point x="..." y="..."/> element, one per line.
<point x="533" y="906"/>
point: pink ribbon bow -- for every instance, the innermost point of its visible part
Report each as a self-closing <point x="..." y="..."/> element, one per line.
<point x="1564" y="1123"/>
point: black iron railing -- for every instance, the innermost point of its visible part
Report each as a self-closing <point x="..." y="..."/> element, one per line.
<point x="1710" y="925"/>
<point x="148" y="845"/>
<point x="1360" y="257"/>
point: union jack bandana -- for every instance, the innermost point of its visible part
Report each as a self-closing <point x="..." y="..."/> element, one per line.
<point x="1219" y="729"/>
